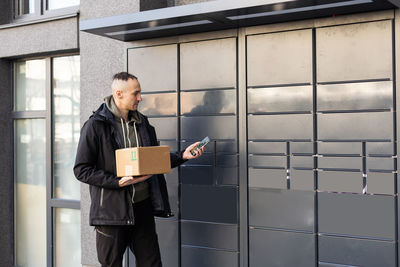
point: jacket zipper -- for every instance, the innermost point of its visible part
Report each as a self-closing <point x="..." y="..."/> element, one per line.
<point x="101" y="197"/>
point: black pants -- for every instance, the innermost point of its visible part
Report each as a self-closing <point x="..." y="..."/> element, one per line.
<point x="112" y="241"/>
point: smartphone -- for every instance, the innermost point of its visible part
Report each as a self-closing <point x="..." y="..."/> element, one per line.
<point x="203" y="142"/>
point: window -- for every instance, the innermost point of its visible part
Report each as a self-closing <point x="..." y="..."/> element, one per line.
<point x="57" y="4"/>
<point x="28" y="9"/>
<point x="46" y="133"/>
<point x="25" y="7"/>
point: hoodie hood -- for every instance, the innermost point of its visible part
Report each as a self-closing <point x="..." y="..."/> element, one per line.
<point x="133" y="116"/>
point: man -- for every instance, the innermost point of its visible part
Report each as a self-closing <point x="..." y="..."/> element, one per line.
<point x="122" y="209"/>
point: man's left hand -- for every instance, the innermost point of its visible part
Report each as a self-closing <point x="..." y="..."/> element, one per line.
<point x="128" y="180"/>
<point x="198" y="152"/>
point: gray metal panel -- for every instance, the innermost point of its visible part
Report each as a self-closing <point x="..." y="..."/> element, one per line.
<point x="159" y="104"/>
<point x="340" y="148"/>
<point x="340" y="163"/>
<point x="156" y="67"/>
<point x="301" y="179"/>
<point x="167" y="231"/>
<point x="281" y="249"/>
<point x="357" y="215"/>
<point x="355" y="96"/>
<point x="267" y="161"/>
<point x="380" y="148"/>
<point x="227" y="176"/>
<point x="173" y="145"/>
<point x="221" y="236"/>
<point x="216" y="127"/>
<point x="354" y="52"/>
<point x="370" y="126"/>
<point x="380" y="163"/>
<point x="208" y="102"/>
<point x="380" y="183"/>
<point x="279" y="58"/>
<point x="298" y="213"/>
<point x="280" y="99"/>
<point x="173" y="196"/>
<point x="166" y="128"/>
<point x="267" y="178"/>
<point x="302" y="162"/>
<point x="207" y="203"/>
<point x="217" y="60"/>
<point x="356" y="252"/>
<point x="173" y="193"/>
<point x="197" y="175"/>
<point x="338" y="181"/>
<point x="301" y="148"/>
<point x="227" y="160"/>
<point x="225" y="146"/>
<point x="203" y="257"/>
<point x="280" y="127"/>
<point x="206" y="159"/>
<point x="267" y="148"/>
<point x="172" y="177"/>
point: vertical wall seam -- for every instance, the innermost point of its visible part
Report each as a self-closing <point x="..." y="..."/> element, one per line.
<point x="178" y="117"/>
<point x="395" y="139"/>
<point x="315" y="139"/>
<point x="242" y="143"/>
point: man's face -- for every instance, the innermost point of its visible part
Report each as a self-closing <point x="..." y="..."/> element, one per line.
<point x="131" y="96"/>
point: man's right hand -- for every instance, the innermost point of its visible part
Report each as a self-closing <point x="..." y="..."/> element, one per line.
<point x="128" y="180"/>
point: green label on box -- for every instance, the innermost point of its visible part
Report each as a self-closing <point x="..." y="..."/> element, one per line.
<point x="133" y="156"/>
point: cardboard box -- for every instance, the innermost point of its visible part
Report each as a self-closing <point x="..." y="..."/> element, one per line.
<point x="136" y="161"/>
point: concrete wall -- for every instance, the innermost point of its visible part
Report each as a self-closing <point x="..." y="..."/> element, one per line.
<point x="40" y="38"/>
<point x="101" y="58"/>
<point x="6" y="166"/>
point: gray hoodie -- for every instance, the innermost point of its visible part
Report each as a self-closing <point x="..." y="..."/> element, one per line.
<point x="130" y="138"/>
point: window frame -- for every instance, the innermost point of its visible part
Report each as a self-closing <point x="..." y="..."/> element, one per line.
<point x="41" y="12"/>
<point x="51" y="202"/>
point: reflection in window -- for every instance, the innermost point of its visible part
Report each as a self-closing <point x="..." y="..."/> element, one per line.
<point x="67" y="237"/>
<point x="30" y="85"/>
<point x="66" y="125"/>
<point x="30" y="191"/>
<point x="56" y="4"/>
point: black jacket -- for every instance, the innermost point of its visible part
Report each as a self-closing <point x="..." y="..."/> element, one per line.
<point x="95" y="165"/>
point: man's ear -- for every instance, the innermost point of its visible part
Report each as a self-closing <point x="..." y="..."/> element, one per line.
<point x="118" y="93"/>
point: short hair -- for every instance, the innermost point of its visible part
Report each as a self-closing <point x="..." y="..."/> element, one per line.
<point x="120" y="80"/>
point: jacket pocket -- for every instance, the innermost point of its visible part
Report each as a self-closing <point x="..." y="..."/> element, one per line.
<point x="102" y="232"/>
<point x="101" y="197"/>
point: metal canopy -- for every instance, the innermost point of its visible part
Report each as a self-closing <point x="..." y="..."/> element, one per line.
<point x="223" y="14"/>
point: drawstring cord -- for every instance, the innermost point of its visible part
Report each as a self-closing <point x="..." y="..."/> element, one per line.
<point x="123" y="131"/>
<point x="127" y="134"/>
<point x="130" y="144"/>
<point x="137" y="140"/>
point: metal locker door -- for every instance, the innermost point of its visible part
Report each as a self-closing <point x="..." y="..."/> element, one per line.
<point x="209" y="185"/>
<point x="157" y="71"/>
<point x="280" y="149"/>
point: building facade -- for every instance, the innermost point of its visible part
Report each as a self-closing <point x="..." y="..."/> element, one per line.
<point x="299" y="99"/>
